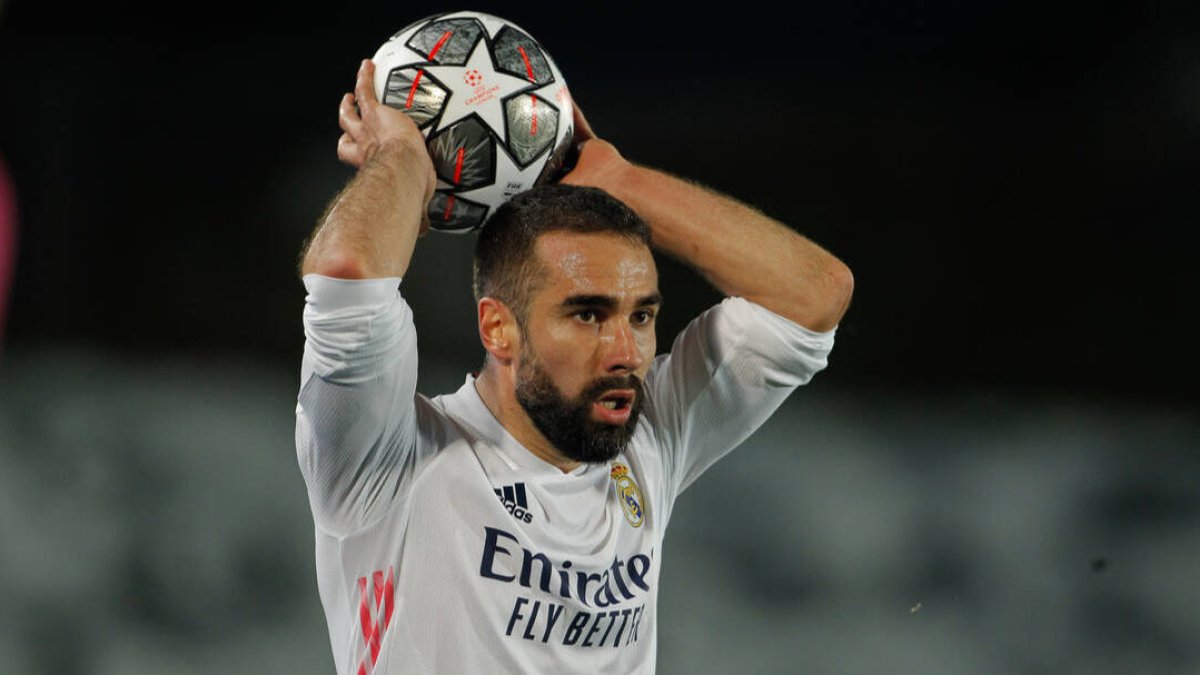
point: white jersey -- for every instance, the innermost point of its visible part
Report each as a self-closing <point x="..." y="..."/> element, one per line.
<point x="444" y="546"/>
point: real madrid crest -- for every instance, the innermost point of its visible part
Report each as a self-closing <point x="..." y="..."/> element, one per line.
<point x="628" y="495"/>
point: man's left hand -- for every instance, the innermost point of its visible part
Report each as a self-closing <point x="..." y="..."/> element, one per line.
<point x="598" y="163"/>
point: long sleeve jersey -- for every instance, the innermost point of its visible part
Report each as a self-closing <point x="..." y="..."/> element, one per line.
<point x="444" y="546"/>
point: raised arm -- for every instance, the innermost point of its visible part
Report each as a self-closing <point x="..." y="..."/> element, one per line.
<point x="737" y="248"/>
<point x="356" y="428"/>
<point x="371" y="227"/>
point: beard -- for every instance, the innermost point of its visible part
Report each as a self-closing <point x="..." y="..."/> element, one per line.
<point x="567" y="423"/>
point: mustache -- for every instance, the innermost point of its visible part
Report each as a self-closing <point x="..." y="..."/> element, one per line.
<point x="603" y="384"/>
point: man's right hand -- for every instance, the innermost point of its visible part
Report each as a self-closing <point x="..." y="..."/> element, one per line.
<point x="369" y="127"/>
<point x="371" y="227"/>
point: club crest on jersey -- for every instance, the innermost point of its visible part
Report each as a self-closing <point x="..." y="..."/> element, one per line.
<point x="628" y="495"/>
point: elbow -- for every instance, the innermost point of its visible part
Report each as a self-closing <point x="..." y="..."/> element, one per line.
<point x="823" y="310"/>
<point x="841" y="289"/>
<point x="844" y="285"/>
<point x="336" y="264"/>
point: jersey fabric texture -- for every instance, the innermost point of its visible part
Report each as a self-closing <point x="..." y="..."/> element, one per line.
<point x="444" y="546"/>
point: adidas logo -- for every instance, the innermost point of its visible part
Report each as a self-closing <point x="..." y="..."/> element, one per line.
<point x="514" y="500"/>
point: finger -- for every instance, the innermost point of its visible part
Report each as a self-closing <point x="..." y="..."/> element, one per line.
<point x="348" y="151"/>
<point x="364" y="85"/>
<point x="345" y="148"/>
<point x="348" y="118"/>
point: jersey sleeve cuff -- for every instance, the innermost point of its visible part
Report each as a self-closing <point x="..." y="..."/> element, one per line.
<point x="330" y="294"/>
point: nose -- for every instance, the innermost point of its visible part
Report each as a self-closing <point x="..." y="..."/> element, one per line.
<point x="623" y="353"/>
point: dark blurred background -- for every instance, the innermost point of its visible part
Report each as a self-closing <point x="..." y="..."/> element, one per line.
<point x="997" y="473"/>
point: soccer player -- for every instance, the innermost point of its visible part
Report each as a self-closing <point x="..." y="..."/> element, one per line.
<point x="516" y="525"/>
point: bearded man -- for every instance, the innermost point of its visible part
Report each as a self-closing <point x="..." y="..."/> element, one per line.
<point x="516" y="525"/>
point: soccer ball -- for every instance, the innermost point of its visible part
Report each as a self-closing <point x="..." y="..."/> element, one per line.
<point x="494" y="109"/>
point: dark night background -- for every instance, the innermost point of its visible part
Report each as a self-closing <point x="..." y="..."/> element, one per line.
<point x="1013" y="184"/>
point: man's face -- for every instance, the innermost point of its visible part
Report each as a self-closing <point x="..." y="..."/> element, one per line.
<point x="588" y="342"/>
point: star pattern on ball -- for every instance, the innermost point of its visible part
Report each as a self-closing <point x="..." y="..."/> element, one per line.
<point x="557" y="94"/>
<point x="396" y="52"/>
<point x="490" y="23"/>
<point x="515" y="180"/>
<point x="487" y="99"/>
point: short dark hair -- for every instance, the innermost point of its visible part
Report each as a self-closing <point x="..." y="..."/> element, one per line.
<point x="506" y="266"/>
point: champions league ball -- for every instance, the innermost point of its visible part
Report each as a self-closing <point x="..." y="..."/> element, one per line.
<point x="493" y="107"/>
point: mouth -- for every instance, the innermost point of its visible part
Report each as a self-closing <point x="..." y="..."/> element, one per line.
<point x="615" y="406"/>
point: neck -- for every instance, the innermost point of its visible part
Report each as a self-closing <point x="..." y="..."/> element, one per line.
<point x="497" y="387"/>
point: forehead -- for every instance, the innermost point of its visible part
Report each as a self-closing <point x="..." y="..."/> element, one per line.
<point x="594" y="264"/>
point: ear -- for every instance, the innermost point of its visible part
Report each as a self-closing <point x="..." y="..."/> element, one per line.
<point x="498" y="329"/>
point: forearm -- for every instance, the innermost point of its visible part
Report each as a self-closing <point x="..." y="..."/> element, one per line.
<point x="371" y="227"/>
<point x="741" y="251"/>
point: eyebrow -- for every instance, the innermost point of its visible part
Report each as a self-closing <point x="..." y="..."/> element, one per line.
<point x="607" y="301"/>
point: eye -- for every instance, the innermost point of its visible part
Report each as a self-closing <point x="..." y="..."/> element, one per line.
<point x="643" y="317"/>
<point x="587" y="315"/>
